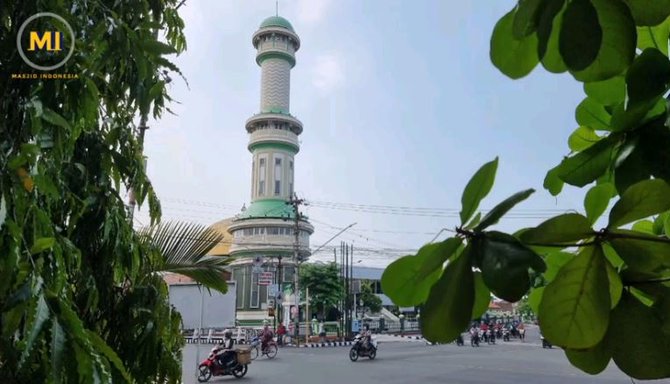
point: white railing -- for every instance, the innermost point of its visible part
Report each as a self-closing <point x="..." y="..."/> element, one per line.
<point x="276" y="135"/>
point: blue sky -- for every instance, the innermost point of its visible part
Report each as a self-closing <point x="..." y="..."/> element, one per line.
<point x="400" y="105"/>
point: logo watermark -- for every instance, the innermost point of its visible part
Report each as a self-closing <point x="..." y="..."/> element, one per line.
<point x="43" y="48"/>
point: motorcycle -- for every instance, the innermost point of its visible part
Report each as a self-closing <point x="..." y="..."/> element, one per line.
<point x="545" y="342"/>
<point x="506" y="335"/>
<point x="270" y="349"/>
<point x="211" y="367"/>
<point x="490" y="337"/>
<point x="459" y="341"/>
<point x="474" y="339"/>
<point x="361" y="350"/>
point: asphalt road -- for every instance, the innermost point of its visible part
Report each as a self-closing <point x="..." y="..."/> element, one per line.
<point x="404" y="362"/>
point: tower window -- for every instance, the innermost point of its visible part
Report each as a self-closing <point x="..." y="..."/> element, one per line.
<point x="261" y="177"/>
<point x="277" y="176"/>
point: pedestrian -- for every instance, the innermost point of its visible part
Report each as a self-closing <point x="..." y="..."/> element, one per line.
<point x="281" y="331"/>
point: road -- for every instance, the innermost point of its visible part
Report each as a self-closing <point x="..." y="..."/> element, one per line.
<point x="404" y="362"/>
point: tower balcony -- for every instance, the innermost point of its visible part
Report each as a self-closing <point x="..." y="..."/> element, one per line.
<point x="273" y="120"/>
<point x="273" y="136"/>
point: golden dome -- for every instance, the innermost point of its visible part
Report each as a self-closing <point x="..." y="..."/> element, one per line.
<point x="223" y="248"/>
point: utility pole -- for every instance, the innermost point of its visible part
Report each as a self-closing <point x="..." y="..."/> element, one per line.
<point x="296" y="203"/>
<point x="278" y="305"/>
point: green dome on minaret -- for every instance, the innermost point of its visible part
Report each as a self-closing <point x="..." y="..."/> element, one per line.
<point x="277" y="21"/>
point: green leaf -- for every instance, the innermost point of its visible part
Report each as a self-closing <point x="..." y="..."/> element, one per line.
<point x="616" y="286"/>
<point x="597" y="199"/>
<point x="593" y="360"/>
<point x="658" y="227"/>
<point x="3" y="211"/>
<point x="109" y="353"/>
<point x="649" y="12"/>
<point x="566" y="228"/>
<point x="407" y="281"/>
<point x="552" y="182"/>
<point x="473" y="222"/>
<point x="607" y="92"/>
<point x="586" y="166"/>
<point x="42" y="244"/>
<point x="482" y="297"/>
<point x="636" y="115"/>
<point x="478" y="187"/>
<point x="646" y="226"/>
<point x="525" y="20"/>
<point x="576" y="303"/>
<point x="504" y="263"/>
<point x="582" y="138"/>
<point x="644" y="254"/>
<point x="654" y="37"/>
<point x="646" y="198"/>
<point x="639" y="349"/>
<point x="555" y="261"/>
<point x="55" y="119"/>
<point x="654" y="144"/>
<point x="581" y="35"/>
<point x="648" y="77"/>
<point x="515" y="58"/>
<point x="534" y="299"/>
<point x="617" y="47"/>
<point x="631" y="171"/>
<point x="502" y="208"/>
<point x="592" y="114"/>
<point x="666" y="225"/>
<point x="157" y="47"/>
<point x="548" y="33"/>
<point x="41" y="316"/>
<point x="57" y="351"/>
<point x="450" y="303"/>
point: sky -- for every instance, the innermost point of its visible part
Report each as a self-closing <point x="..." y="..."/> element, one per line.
<point x="400" y="105"/>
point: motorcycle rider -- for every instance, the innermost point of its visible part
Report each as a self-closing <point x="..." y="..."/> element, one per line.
<point x="226" y="354"/>
<point x="266" y="336"/>
<point x="367" y="336"/>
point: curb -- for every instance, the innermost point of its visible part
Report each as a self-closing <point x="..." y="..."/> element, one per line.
<point x="328" y="345"/>
<point x="409" y="337"/>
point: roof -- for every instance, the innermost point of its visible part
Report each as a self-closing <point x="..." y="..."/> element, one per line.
<point x="277" y="21"/>
<point x="223" y="248"/>
<point x="270" y="208"/>
<point x="367" y="273"/>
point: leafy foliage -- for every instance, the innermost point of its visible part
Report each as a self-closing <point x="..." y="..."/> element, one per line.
<point x="80" y="299"/>
<point x="371" y="302"/>
<point x="324" y="283"/>
<point x="609" y="299"/>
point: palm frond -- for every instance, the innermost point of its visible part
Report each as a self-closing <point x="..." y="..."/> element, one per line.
<point x="183" y="247"/>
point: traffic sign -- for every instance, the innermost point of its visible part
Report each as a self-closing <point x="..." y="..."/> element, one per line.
<point x="264" y="282"/>
<point x="266" y="275"/>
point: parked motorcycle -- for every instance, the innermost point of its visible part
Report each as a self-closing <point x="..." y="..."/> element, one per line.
<point x="211" y="367"/>
<point x="361" y="350"/>
<point x="545" y="342"/>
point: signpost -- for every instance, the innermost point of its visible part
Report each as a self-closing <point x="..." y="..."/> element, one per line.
<point x="265" y="278"/>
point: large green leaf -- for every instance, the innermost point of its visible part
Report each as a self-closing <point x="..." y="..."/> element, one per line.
<point x="617" y="47"/>
<point x="639" y="349"/>
<point x="555" y="261"/>
<point x="654" y="144"/>
<point x="593" y="360"/>
<point x="100" y="345"/>
<point x="597" y="199"/>
<point x="534" y="299"/>
<point x="42" y="244"/>
<point x="581" y="35"/>
<point x="407" y="281"/>
<point x="55" y="119"/>
<point x="648" y="77"/>
<point x="478" y="187"/>
<point x="582" y="138"/>
<point x="639" y="201"/>
<point x="41" y="316"/>
<point x="504" y="263"/>
<point x="644" y="254"/>
<point x="631" y="171"/>
<point x="616" y="286"/>
<point x="552" y="182"/>
<point x="588" y="165"/>
<point x="631" y="116"/>
<point x="482" y="297"/>
<point x="575" y="305"/>
<point x="566" y="228"/>
<point x="57" y="350"/>
<point x="502" y="208"/>
<point x="654" y="37"/>
<point x="449" y="307"/>
<point x="592" y="114"/>
<point x="659" y="225"/>
<point x="515" y="58"/>
<point x="548" y="32"/>
<point x="607" y="92"/>
<point x="646" y="226"/>
<point x="525" y="19"/>
<point x="649" y="12"/>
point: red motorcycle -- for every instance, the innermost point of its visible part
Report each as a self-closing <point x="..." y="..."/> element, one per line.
<point x="211" y="367"/>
